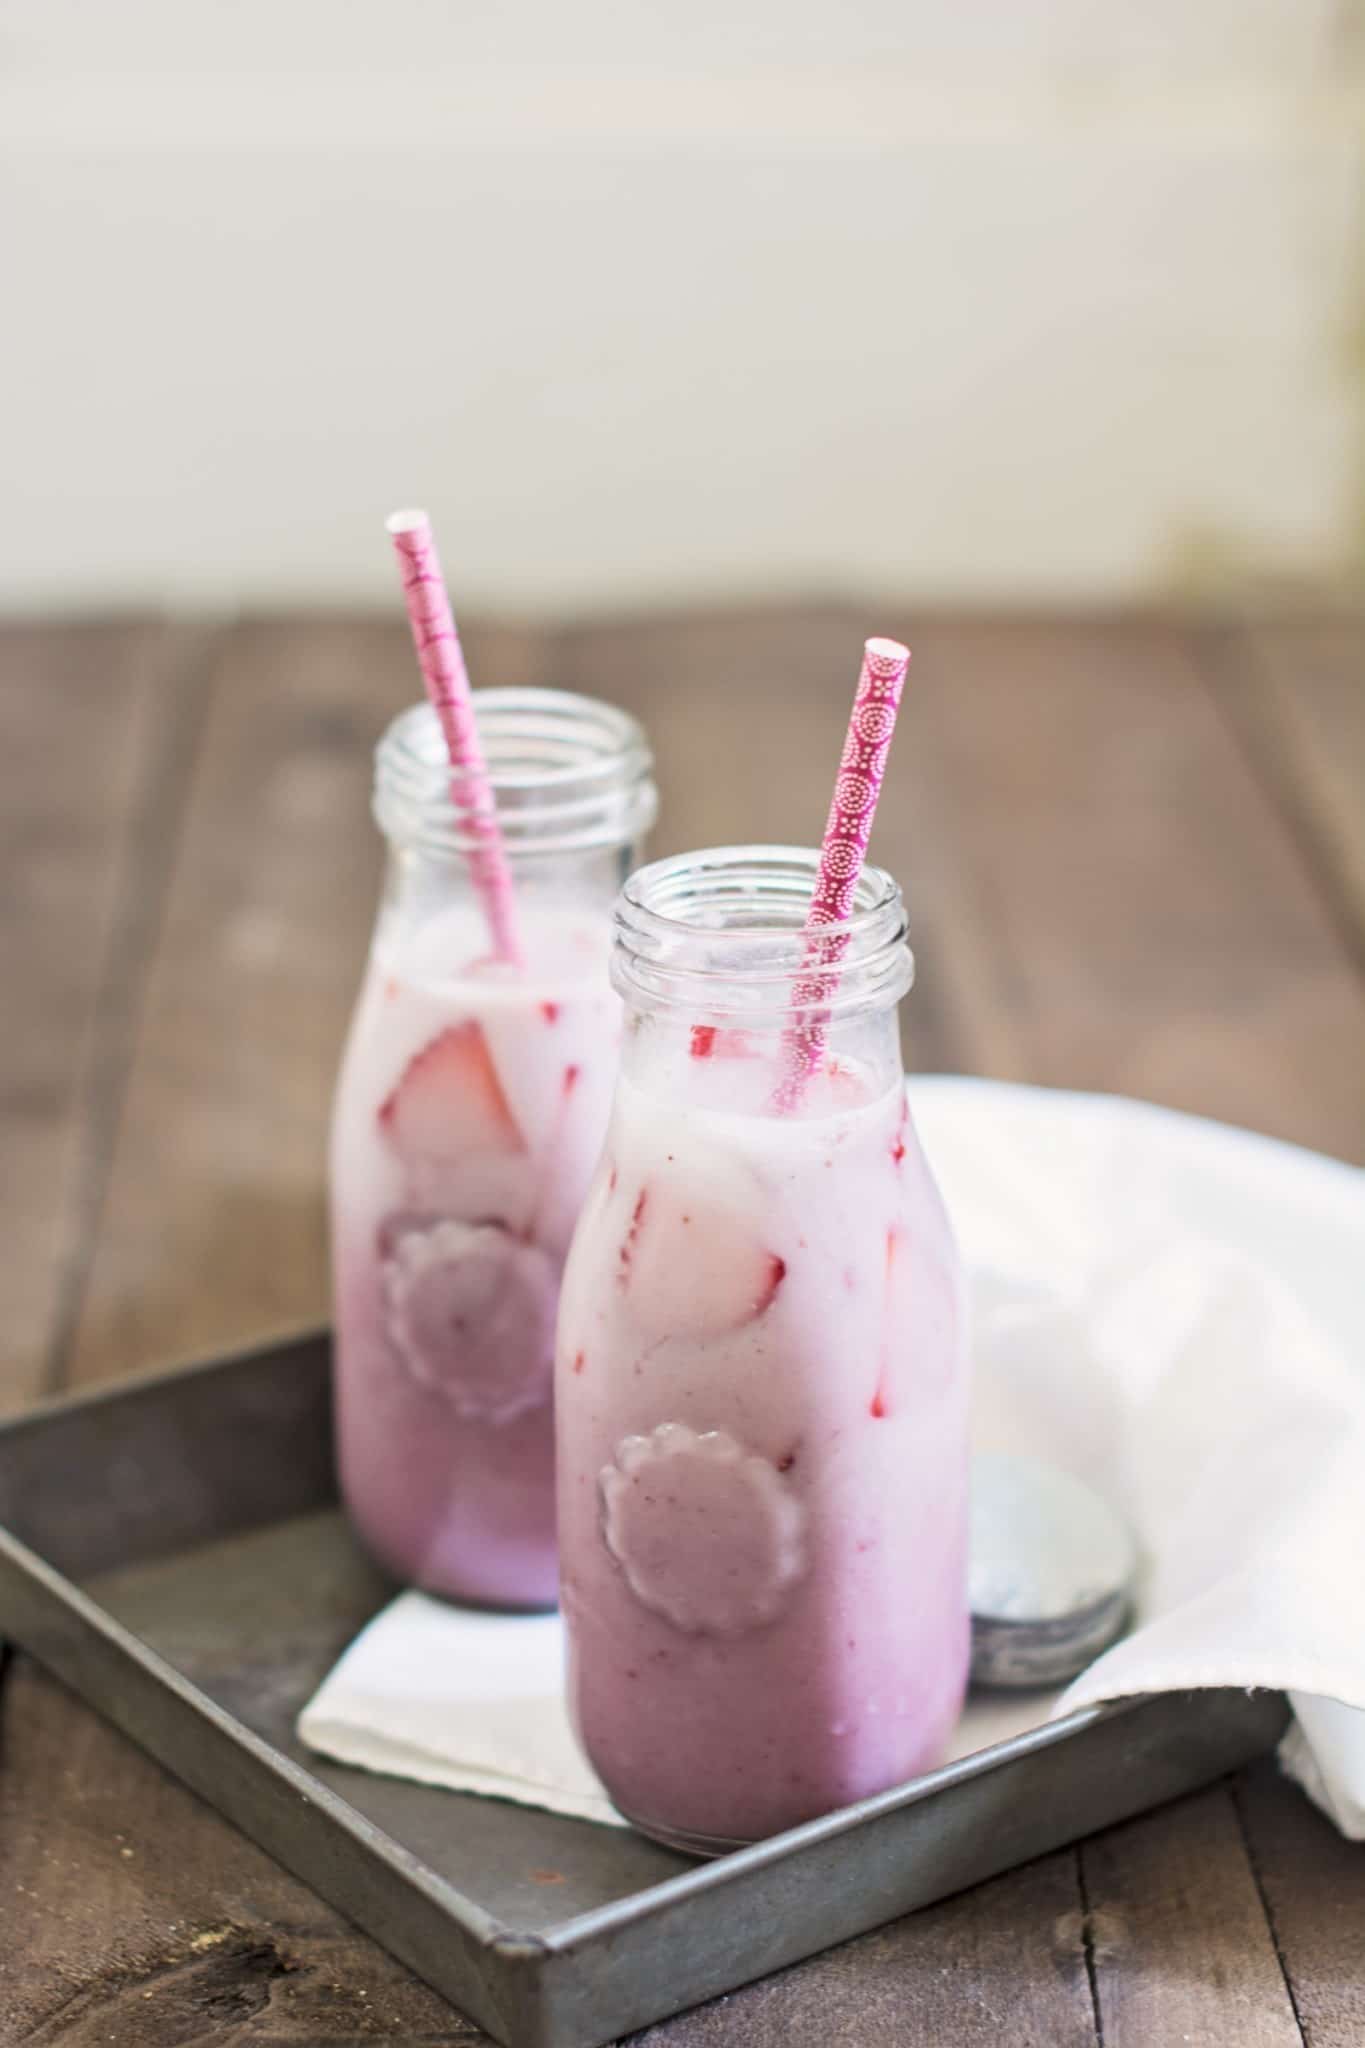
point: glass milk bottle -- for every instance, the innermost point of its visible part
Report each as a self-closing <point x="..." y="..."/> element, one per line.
<point x="761" y="1380"/>
<point x="469" y="1116"/>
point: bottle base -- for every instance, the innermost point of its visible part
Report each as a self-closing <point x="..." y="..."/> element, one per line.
<point x="683" y="1839"/>
<point x="407" y="1569"/>
<point x="483" y="1603"/>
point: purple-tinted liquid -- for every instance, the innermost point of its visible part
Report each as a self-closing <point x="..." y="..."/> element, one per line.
<point x="762" y="1457"/>
<point x="469" y="1114"/>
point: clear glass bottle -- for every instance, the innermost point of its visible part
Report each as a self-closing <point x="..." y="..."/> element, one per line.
<point x="469" y="1115"/>
<point x="761" y="1378"/>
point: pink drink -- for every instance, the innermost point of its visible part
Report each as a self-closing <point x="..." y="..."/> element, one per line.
<point x="762" y="1417"/>
<point x="468" y="1121"/>
<point x="469" y="1116"/>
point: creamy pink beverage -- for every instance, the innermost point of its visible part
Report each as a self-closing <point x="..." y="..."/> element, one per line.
<point x="761" y="1380"/>
<point x="469" y="1116"/>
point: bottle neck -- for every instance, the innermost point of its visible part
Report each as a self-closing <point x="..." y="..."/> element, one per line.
<point x="717" y="969"/>
<point x="572" y="780"/>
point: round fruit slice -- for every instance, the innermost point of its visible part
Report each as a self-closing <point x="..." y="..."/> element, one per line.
<point x="707" y="1534"/>
<point x="470" y="1312"/>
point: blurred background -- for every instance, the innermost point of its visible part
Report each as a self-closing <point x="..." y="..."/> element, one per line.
<point x="714" y="337"/>
<point x="1011" y="301"/>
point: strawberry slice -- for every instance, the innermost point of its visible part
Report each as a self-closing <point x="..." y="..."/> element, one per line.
<point x="449" y="1101"/>
<point x="898" y="1142"/>
<point x="717" y="1041"/>
<point x="689" y="1263"/>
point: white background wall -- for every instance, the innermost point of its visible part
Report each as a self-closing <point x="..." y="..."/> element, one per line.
<point x="957" y="299"/>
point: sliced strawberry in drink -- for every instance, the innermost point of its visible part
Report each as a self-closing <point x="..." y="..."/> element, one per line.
<point x="626" y="1256"/>
<point x="689" y="1263"/>
<point x="718" y="1041"/>
<point x="449" y="1101"/>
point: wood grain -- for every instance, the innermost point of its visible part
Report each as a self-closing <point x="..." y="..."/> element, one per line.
<point x="90" y="717"/>
<point x="1296" y="693"/>
<point x="1143" y="913"/>
<point x="133" y="1915"/>
<point x="1178" y="1933"/>
<point x="1312" y="1883"/>
<point x="1002" y="1963"/>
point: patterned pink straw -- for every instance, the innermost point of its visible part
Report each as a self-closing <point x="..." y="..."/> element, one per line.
<point x="847" y="831"/>
<point x="441" y="661"/>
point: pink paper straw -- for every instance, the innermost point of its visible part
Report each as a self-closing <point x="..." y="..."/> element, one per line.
<point x="441" y="661"/>
<point x="847" y="831"/>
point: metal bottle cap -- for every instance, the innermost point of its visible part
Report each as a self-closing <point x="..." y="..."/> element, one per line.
<point x="1050" y="1577"/>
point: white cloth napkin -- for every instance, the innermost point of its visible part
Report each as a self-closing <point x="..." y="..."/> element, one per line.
<point x="454" y="1697"/>
<point x="474" y="1702"/>
<point x="1169" y="1308"/>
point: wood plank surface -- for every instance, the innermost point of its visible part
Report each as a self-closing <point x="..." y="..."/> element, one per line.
<point x="1004" y="1963"/>
<point x="1312" y="1883"/>
<point x="90" y="720"/>
<point x="134" y="1915"/>
<point x="1297" y="694"/>
<point x="1144" y="914"/>
<point x="1178" y="1932"/>
<point x="1105" y="892"/>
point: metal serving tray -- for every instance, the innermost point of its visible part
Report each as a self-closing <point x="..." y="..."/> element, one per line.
<point x="172" y="1549"/>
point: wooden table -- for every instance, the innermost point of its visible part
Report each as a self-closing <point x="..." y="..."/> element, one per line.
<point x="1136" y="858"/>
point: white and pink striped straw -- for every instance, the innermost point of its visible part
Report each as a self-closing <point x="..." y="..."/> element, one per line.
<point x="441" y="660"/>
<point x="847" y="831"/>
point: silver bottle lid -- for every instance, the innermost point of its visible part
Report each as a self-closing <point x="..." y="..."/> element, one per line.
<point x="1051" y="1572"/>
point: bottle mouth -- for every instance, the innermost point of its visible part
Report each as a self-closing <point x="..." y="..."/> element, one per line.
<point x="569" y="774"/>
<point x="724" y="930"/>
